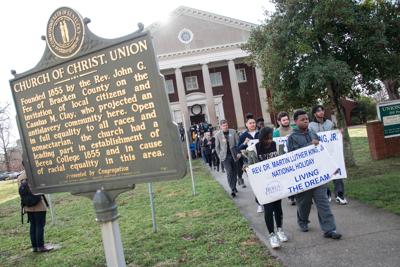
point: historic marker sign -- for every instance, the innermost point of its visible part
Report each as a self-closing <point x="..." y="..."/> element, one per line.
<point x="94" y="113"/>
<point x="389" y="114"/>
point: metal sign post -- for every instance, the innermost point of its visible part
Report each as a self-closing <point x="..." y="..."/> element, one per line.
<point x="189" y="154"/>
<point x="53" y="216"/>
<point x="153" y="208"/>
<point x="107" y="215"/>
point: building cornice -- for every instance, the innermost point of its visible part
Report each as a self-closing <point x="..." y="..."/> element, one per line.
<point x="199" y="50"/>
<point x="200" y="58"/>
<point x="208" y="16"/>
<point x="213" y="17"/>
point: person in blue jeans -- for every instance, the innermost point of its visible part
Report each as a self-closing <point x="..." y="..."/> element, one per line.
<point x="302" y="137"/>
<point x="37" y="221"/>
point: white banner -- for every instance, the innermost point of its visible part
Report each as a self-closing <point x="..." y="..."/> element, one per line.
<point x="333" y="142"/>
<point x="291" y="173"/>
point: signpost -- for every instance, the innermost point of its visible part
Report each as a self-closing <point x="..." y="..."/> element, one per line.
<point x="389" y="114"/>
<point x="94" y="119"/>
<point x="153" y="208"/>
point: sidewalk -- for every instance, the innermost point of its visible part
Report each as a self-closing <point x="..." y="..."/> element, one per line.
<point x="371" y="237"/>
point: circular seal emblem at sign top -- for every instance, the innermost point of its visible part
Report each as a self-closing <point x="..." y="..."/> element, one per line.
<point x="65" y="32"/>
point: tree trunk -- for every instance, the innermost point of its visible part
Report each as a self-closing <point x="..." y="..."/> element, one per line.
<point x="392" y="89"/>
<point x="7" y="160"/>
<point x="334" y="96"/>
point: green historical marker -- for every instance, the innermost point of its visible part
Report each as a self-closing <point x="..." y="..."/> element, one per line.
<point x="94" y="113"/>
<point x="94" y="119"/>
<point x="389" y="114"/>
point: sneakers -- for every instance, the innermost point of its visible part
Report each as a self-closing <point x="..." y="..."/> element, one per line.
<point x="244" y="186"/>
<point x="341" y="200"/>
<point x="292" y="200"/>
<point x="329" y="199"/>
<point x="333" y="235"/>
<point x="274" y="240"/>
<point x="233" y="194"/>
<point x="43" y="249"/>
<point x="281" y="235"/>
<point x="260" y="209"/>
<point x="304" y="228"/>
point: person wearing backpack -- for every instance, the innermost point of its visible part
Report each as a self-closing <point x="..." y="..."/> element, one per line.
<point x="35" y="206"/>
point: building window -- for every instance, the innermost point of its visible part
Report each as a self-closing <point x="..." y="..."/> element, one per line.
<point x="191" y="83"/>
<point x="216" y="79"/>
<point x="177" y="116"/>
<point x="169" y="86"/>
<point x="241" y="75"/>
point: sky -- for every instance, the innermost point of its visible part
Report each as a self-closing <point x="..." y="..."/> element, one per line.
<point x="23" y="22"/>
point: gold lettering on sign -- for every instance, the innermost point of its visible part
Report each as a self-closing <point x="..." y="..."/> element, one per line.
<point x="93" y="122"/>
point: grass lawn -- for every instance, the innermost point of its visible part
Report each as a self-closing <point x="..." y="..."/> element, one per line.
<point x="8" y="190"/>
<point x="205" y="230"/>
<point x="373" y="182"/>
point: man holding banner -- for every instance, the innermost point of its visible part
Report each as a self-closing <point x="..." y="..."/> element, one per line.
<point x="301" y="138"/>
<point x="284" y="130"/>
<point x="318" y="125"/>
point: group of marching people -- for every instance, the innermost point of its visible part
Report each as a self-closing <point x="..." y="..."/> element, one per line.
<point x="237" y="151"/>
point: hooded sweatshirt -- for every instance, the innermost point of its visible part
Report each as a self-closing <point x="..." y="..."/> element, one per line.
<point x="300" y="139"/>
<point x="259" y="151"/>
<point x="317" y="127"/>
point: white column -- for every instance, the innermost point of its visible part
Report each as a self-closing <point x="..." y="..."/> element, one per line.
<point x="263" y="97"/>
<point x="182" y="96"/>
<point x="209" y="95"/>
<point x="237" y="102"/>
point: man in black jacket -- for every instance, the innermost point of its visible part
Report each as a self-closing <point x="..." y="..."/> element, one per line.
<point x="302" y="137"/>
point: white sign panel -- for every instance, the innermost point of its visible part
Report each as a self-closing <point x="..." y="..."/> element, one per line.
<point x="291" y="173"/>
<point x="252" y="142"/>
<point x="333" y="142"/>
<point x="281" y="141"/>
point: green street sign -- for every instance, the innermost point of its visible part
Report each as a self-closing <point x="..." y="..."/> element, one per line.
<point x="389" y="114"/>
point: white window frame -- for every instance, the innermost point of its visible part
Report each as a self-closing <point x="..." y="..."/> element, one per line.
<point x="216" y="79"/>
<point x="241" y="73"/>
<point x="169" y="86"/>
<point x="191" y="83"/>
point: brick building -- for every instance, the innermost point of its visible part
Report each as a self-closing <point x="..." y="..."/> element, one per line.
<point x="204" y="68"/>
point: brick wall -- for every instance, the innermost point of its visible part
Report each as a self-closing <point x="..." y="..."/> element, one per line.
<point x="379" y="146"/>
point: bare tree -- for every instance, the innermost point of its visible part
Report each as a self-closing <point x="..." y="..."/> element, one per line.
<point x="5" y="133"/>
